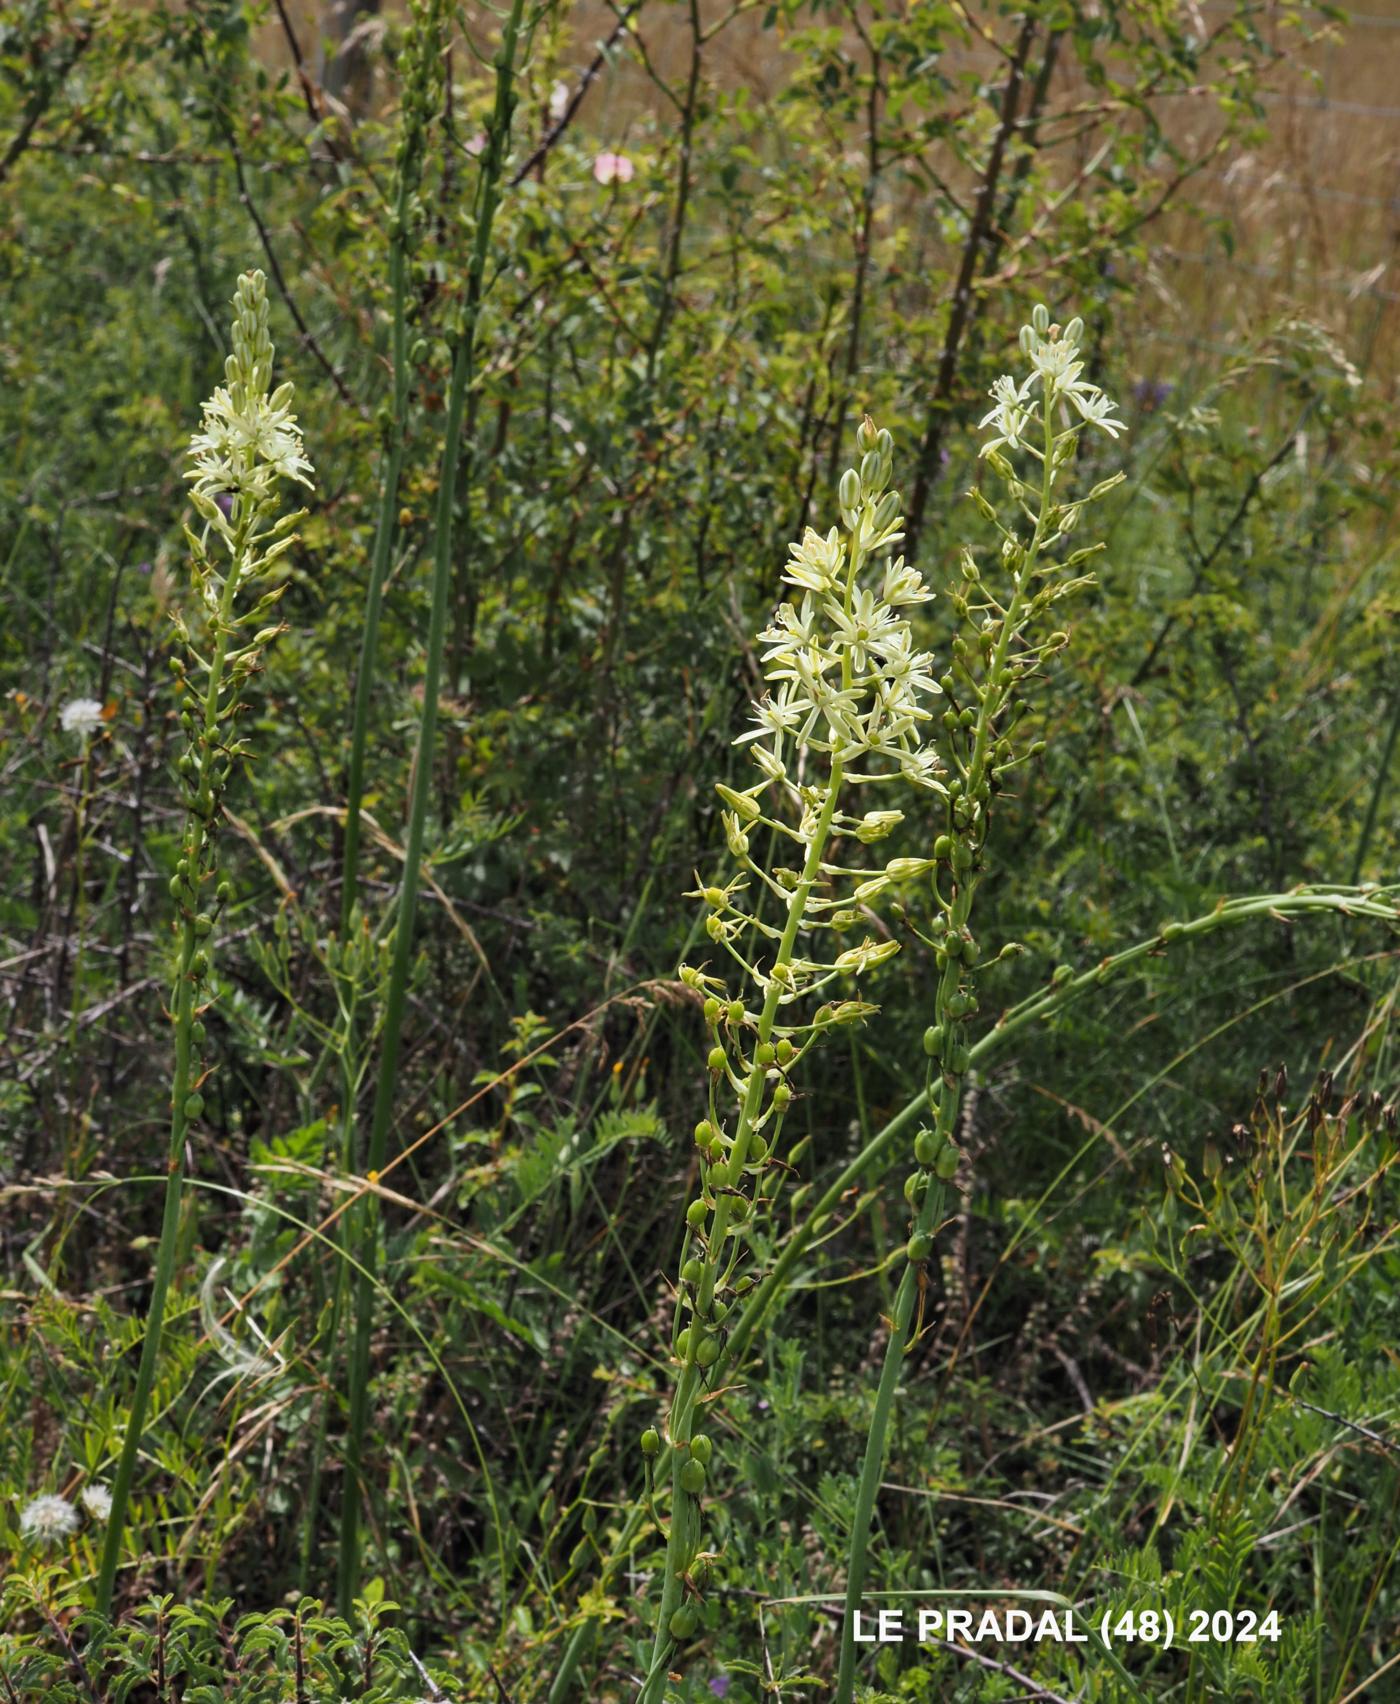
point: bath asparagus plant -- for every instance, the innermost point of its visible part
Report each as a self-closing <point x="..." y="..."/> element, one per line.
<point x="247" y="446"/>
<point x="846" y="716"/>
<point x="1008" y="636"/>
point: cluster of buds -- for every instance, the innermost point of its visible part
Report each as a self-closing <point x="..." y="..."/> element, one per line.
<point x="247" y="444"/>
<point x="846" y="707"/>
<point x="1038" y="419"/>
<point x="422" y="77"/>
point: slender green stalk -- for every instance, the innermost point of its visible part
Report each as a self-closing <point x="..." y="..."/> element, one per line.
<point x="366" y="1231"/>
<point x="248" y="442"/>
<point x="421" y="85"/>
<point x="681" y="1539"/>
<point x="421" y="82"/>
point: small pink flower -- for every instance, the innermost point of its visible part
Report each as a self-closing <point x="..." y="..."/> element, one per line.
<point x="613" y="168"/>
<point x="476" y="145"/>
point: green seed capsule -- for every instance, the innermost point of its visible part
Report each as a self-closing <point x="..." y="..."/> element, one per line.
<point x="712" y="1011"/>
<point x="194" y="1105"/>
<point x="701" y="1449"/>
<point x="716" y="1059"/>
<point x="223" y="893"/>
<point x="177" y="888"/>
<point x="683" y="1344"/>
<point x="927" y="1146"/>
<point x="707" y="1352"/>
<point x="198" y="1033"/>
<point x="199" y="965"/>
<point x="683" y="1622"/>
<point x="947" y="1162"/>
<point x="704" y="1133"/>
<point x="693" y="1271"/>
<point x="651" y="1441"/>
<point x="914" y="1186"/>
<point x="933" y="1040"/>
<point x="719" y="1312"/>
<point x="204" y="924"/>
<point x="919" y="1246"/>
<point x="943" y="847"/>
<point x="786" y="1052"/>
<point x="782" y="1097"/>
<point x="693" y="1478"/>
<point x="764" y="1054"/>
<point x="736" y="1012"/>
<point x="696" y="1215"/>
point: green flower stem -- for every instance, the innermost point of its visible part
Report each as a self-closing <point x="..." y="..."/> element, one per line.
<point x="367" y="1224"/>
<point x="990" y="705"/>
<point x="390" y="479"/>
<point x="685" y="1506"/>
<point x="196" y="828"/>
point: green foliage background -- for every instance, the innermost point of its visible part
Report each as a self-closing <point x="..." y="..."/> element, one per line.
<point x="673" y="365"/>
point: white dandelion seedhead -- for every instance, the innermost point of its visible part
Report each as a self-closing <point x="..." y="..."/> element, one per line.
<point x="48" y="1520"/>
<point x="97" y="1500"/>
<point x="81" y="716"/>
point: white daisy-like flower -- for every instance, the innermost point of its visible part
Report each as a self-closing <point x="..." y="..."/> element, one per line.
<point x="1009" y="417"/>
<point x="81" y="716"/>
<point x="48" y="1519"/>
<point x="903" y="585"/>
<point x="1097" y="409"/>
<point x="558" y="101"/>
<point x="816" y="561"/>
<point x="97" y="1500"/>
<point x="868" y="623"/>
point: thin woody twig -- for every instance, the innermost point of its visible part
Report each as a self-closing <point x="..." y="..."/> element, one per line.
<point x="562" y="123"/>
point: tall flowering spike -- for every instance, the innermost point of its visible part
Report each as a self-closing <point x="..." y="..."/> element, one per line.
<point x="1009" y="614"/>
<point x="846" y="705"/>
<point x="249" y="438"/>
<point x="247" y="444"/>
